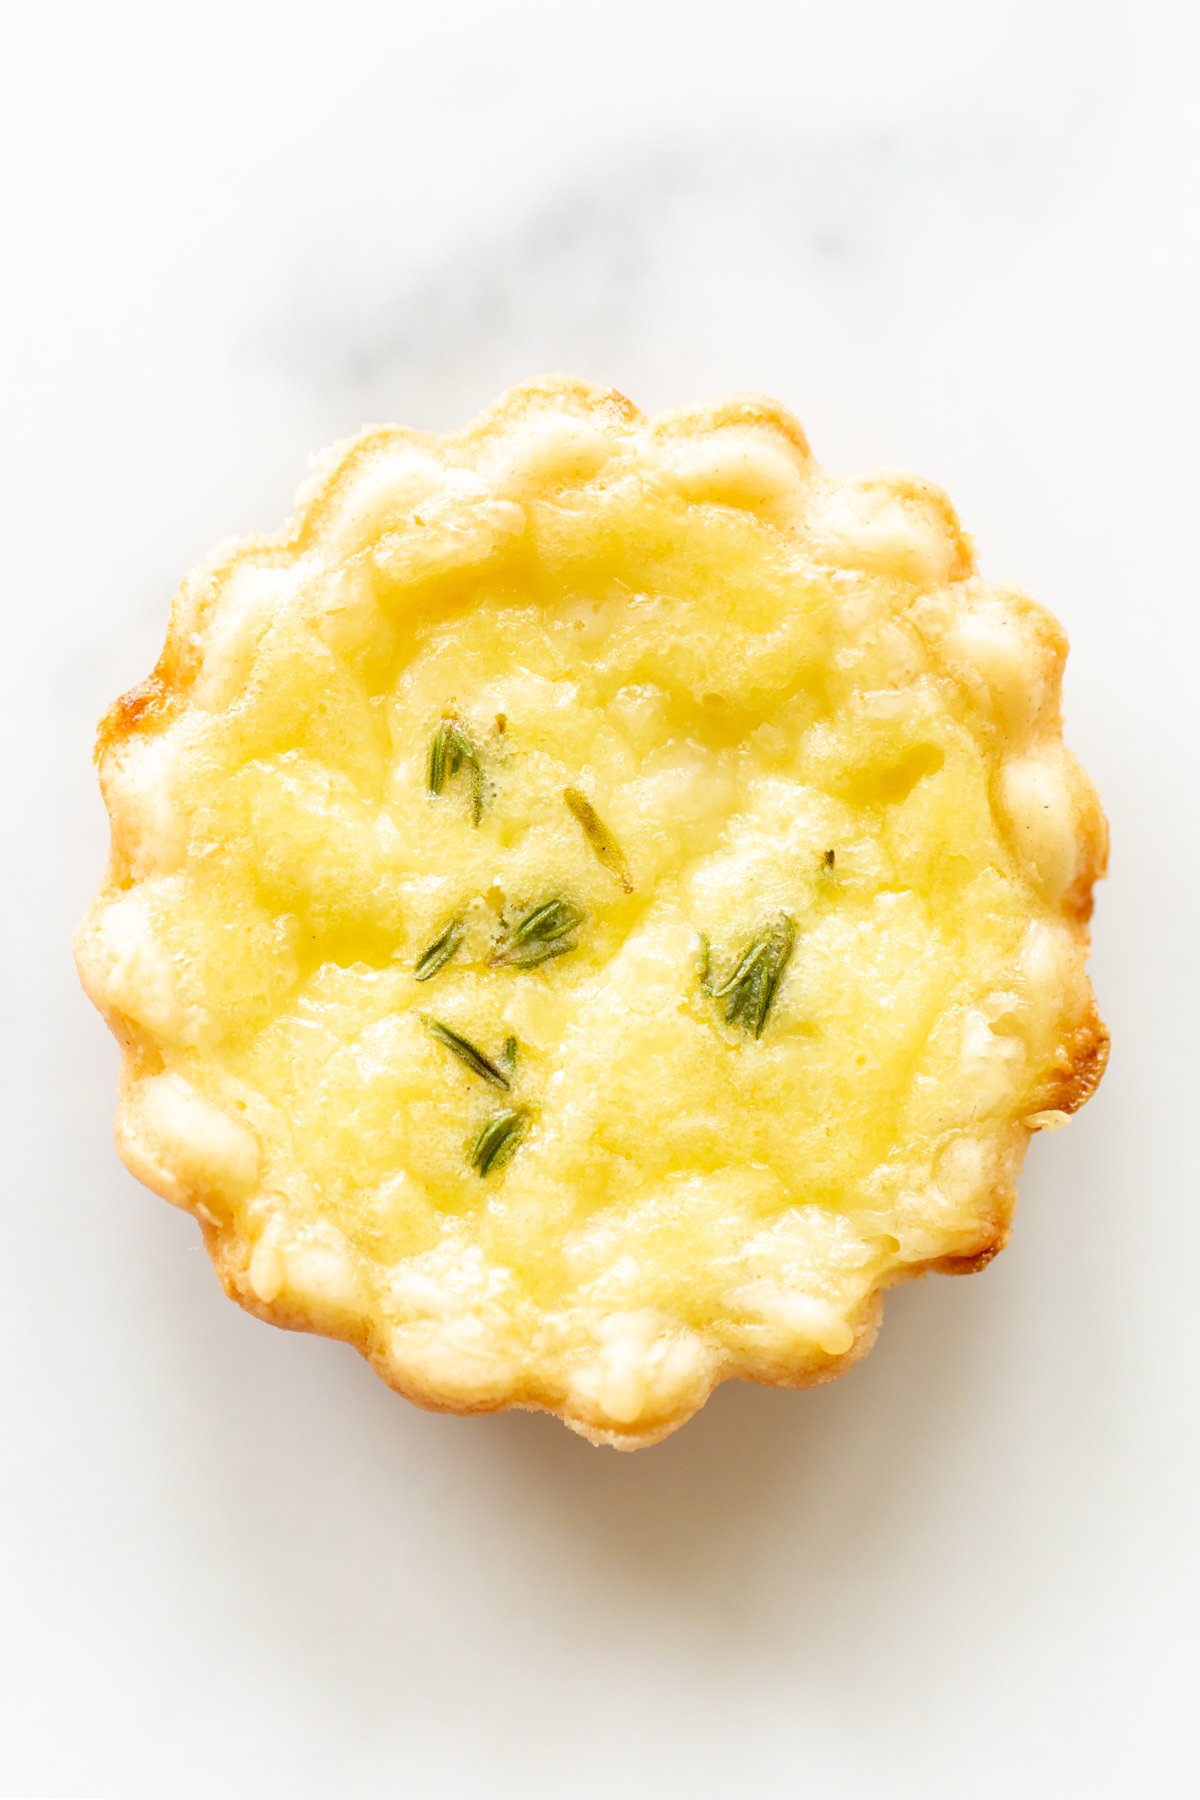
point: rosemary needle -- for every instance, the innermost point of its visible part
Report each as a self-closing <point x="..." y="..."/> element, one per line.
<point x="435" y="770"/>
<point x="498" y="1139"/>
<point x="476" y="1061"/>
<point x="609" y="853"/>
<point x="545" y="932"/>
<point x="749" y="990"/>
<point x="553" y="918"/>
<point x="743" y="969"/>
<point x="438" y="954"/>
<point x="531" y="956"/>
<point x="449" y="749"/>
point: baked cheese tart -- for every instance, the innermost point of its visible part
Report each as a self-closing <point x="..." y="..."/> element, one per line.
<point x="593" y="902"/>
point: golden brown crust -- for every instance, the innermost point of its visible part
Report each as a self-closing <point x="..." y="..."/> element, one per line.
<point x="1078" y="1075"/>
<point x="147" y="707"/>
<point x="143" y="706"/>
<point x="230" y="1256"/>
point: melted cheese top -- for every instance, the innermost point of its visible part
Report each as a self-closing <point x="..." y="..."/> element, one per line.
<point x="781" y="695"/>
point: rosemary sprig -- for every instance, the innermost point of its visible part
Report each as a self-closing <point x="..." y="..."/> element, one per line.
<point x="608" y="852"/>
<point x="546" y="932"/>
<point x="438" y="954"/>
<point x="449" y="749"/>
<point x="750" y="987"/>
<point x="498" y="1139"/>
<point x="476" y="1061"/>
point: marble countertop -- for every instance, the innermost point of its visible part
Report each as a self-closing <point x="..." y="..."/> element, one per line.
<point x="962" y="240"/>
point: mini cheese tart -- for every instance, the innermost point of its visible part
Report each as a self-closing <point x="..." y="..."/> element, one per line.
<point x="593" y="902"/>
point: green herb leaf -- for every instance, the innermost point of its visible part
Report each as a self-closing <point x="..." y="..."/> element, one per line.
<point x="530" y="956"/>
<point x="609" y="853"/>
<point x="465" y="751"/>
<point x="508" y="1060"/>
<point x="749" y="990"/>
<point x="476" y="1061"/>
<point x="440" y="951"/>
<point x="435" y="771"/>
<point x="743" y="969"/>
<point x="498" y="1139"/>
<point x="748" y="1003"/>
<point x="449" y="749"/>
<point x="546" y="932"/>
<point x="553" y="918"/>
<point x="704" y="964"/>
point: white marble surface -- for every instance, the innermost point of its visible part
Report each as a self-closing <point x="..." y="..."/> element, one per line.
<point x="957" y="237"/>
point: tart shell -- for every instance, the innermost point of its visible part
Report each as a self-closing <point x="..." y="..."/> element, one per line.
<point x="162" y="1151"/>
